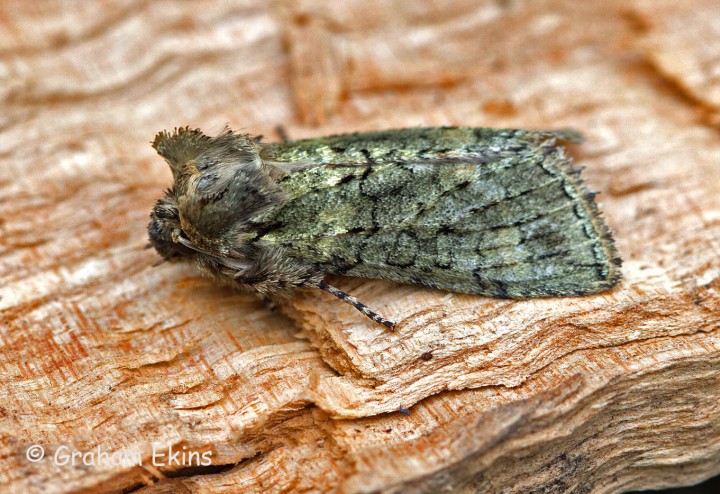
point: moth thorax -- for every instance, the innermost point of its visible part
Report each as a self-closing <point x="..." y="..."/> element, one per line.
<point x="223" y="195"/>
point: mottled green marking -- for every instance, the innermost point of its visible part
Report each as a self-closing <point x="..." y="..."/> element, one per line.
<point x="486" y="211"/>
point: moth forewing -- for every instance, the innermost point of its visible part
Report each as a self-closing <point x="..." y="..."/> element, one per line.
<point x="496" y="212"/>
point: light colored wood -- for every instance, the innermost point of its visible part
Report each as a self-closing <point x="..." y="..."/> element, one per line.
<point x="101" y="351"/>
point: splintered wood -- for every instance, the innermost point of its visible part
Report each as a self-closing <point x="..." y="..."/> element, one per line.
<point x="102" y="352"/>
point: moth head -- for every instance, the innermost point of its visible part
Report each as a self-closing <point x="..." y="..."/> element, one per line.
<point x="221" y="182"/>
<point x="164" y="227"/>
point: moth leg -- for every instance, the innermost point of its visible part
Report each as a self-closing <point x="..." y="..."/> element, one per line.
<point x="349" y="299"/>
<point x="269" y="303"/>
<point x="282" y="132"/>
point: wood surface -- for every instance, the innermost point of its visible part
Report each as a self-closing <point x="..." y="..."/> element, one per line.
<point x="100" y="350"/>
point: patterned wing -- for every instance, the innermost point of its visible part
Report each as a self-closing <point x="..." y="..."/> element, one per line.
<point x="513" y="222"/>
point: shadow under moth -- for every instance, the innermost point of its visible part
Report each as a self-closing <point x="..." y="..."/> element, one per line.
<point x="495" y="212"/>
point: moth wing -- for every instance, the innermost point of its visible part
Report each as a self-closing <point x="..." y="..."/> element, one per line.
<point x="517" y="224"/>
<point x="441" y="146"/>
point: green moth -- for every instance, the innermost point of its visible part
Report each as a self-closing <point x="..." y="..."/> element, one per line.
<point x="496" y="212"/>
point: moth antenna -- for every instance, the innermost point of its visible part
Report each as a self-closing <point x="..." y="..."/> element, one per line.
<point x="349" y="299"/>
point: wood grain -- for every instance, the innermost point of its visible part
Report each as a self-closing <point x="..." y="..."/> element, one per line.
<point x="102" y="351"/>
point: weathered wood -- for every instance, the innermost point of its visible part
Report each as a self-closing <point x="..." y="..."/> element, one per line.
<point x="101" y="351"/>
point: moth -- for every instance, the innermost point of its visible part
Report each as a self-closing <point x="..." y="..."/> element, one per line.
<point x="495" y="212"/>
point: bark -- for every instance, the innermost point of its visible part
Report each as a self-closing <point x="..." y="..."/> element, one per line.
<point x="103" y="352"/>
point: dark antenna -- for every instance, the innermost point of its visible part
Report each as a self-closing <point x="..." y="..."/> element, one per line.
<point x="349" y="299"/>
